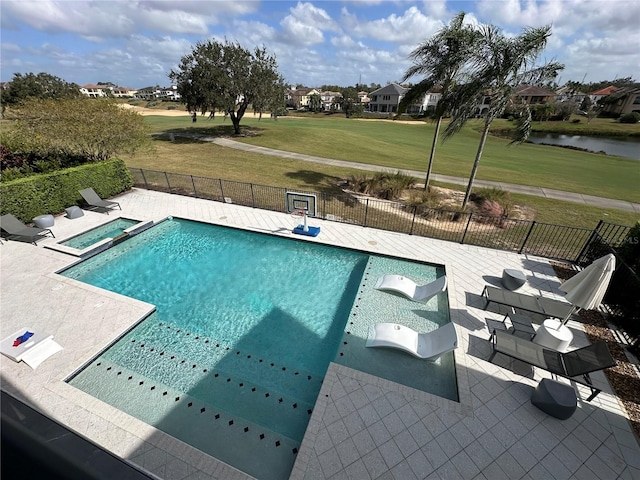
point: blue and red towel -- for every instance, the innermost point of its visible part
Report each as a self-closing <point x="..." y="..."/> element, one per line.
<point x="22" y="338"/>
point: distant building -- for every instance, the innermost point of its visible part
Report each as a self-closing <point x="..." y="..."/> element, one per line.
<point x="93" y="91"/>
<point x="533" y="95"/>
<point x="99" y="91"/>
<point x="386" y="99"/>
<point x="603" y="92"/>
<point x="158" y="93"/>
<point x="299" y="97"/>
<point x="621" y="101"/>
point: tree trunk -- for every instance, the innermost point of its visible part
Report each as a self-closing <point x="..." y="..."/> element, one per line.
<point x="476" y="162"/>
<point x="433" y="152"/>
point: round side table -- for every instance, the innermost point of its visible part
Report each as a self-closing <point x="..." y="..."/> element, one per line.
<point x="548" y="335"/>
<point x="513" y="279"/>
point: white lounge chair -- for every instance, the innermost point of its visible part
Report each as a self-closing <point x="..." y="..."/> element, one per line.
<point x="409" y="288"/>
<point x="429" y="345"/>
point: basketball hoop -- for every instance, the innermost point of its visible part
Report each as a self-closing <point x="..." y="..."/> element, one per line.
<point x="299" y="213"/>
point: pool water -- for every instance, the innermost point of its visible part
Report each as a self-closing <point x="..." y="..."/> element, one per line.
<point x="245" y="327"/>
<point x="108" y="230"/>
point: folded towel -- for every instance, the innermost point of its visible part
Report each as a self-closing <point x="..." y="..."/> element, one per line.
<point x="22" y="338"/>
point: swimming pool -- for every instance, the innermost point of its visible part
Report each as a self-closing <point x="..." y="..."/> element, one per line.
<point x="111" y="229"/>
<point x="246" y="324"/>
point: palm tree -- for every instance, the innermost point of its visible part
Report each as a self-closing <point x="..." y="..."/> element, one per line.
<point x="441" y="59"/>
<point x="502" y="64"/>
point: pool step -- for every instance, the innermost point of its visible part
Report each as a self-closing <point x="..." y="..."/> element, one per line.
<point x="209" y="428"/>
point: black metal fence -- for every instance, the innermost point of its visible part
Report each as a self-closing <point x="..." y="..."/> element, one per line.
<point x="521" y="236"/>
<point x="622" y="299"/>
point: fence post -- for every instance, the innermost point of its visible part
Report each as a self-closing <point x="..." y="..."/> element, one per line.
<point x="366" y="213"/>
<point x="253" y="200"/>
<point x="464" y="235"/>
<point x="195" y="192"/>
<point x="324" y="205"/>
<point x="146" y="185"/>
<point x="413" y="220"/>
<point x="166" y="177"/>
<point x="596" y="231"/>
<point x="533" y="224"/>
<point x="221" y="190"/>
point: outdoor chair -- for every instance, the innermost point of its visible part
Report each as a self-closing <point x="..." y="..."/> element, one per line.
<point x="409" y="288"/>
<point x="94" y="202"/>
<point x="14" y="228"/>
<point x="574" y="365"/>
<point x="529" y="303"/>
<point x="429" y="346"/>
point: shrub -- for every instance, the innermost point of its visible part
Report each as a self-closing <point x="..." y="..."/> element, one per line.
<point x="381" y="185"/>
<point x="491" y="212"/>
<point x="632" y="117"/>
<point x="53" y="192"/>
<point x="425" y="198"/>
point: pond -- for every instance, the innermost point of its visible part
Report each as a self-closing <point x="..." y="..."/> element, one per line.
<point x="628" y="147"/>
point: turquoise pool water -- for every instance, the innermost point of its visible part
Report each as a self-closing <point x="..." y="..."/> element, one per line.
<point x="246" y="324"/>
<point x="108" y="230"/>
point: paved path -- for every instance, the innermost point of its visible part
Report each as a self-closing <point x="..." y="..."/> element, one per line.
<point x="524" y="189"/>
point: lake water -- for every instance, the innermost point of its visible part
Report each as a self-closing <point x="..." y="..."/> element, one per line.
<point x="628" y="147"/>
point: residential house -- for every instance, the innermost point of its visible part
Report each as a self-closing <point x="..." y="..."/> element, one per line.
<point x="568" y="94"/>
<point x="622" y="101"/>
<point x="93" y="91"/>
<point x="386" y="99"/>
<point x="168" y="93"/>
<point x="600" y="94"/>
<point x="533" y="95"/>
<point x="300" y="97"/>
<point x="328" y="99"/>
<point x="123" y="92"/>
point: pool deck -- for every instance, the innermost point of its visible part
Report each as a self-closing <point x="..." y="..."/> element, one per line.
<point x="362" y="427"/>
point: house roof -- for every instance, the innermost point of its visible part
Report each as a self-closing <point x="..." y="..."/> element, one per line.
<point x="391" y="89"/>
<point x="605" y="91"/>
<point x="625" y="91"/>
<point x="301" y="92"/>
<point x="533" y="91"/>
<point x="95" y="87"/>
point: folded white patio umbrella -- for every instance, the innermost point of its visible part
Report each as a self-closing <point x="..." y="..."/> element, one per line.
<point x="586" y="289"/>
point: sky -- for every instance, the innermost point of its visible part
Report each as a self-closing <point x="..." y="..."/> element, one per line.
<point x="136" y="43"/>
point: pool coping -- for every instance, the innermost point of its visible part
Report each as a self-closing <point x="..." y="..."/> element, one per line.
<point x="101" y="245"/>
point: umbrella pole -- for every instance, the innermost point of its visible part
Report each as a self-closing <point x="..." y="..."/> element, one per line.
<point x="566" y="319"/>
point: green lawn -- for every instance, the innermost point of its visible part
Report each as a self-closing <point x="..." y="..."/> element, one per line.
<point x="406" y="146"/>
<point x="395" y="145"/>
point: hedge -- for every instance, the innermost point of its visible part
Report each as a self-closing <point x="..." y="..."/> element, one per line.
<point x="52" y="192"/>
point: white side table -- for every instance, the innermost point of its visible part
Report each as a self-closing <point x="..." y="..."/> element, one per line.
<point x="549" y="336"/>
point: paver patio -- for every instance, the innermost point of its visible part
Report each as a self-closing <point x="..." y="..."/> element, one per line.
<point x="362" y="427"/>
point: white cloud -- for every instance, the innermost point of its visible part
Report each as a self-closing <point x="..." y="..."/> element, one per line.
<point x="411" y="27"/>
<point x="305" y="25"/>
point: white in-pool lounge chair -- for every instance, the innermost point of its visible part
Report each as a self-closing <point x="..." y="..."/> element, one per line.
<point x="409" y="288"/>
<point x="29" y="347"/>
<point x="429" y="346"/>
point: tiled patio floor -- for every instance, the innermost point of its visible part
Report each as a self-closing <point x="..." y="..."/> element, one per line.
<point x="362" y="427"/>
